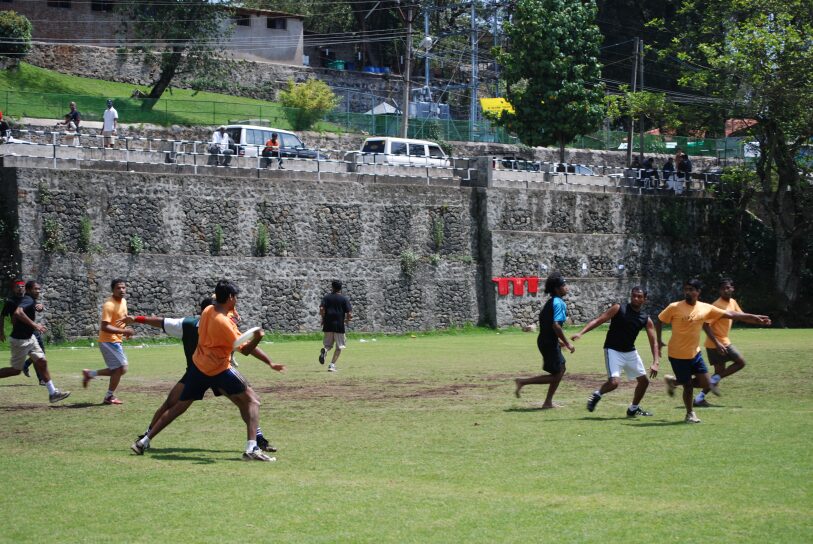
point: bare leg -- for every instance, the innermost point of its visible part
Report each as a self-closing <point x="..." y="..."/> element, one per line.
<point x="552" y="389"/>
<point x="609" y="385"/>
<point x="168" y="417"/>
<point x="640" y="390"/>
<point x="171" y="400"/>
<point x="688" y="396"/>
<point x="721" y="370"/>
<point x="8" y="372"/>
<point x="249" y="410"/>
<point x="336" y="355"/>
<point x="41" y="366"/>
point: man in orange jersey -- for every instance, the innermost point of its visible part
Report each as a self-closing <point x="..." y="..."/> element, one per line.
<point x="212" y="369"/>
<point x="111" y="332"/>
<point x="718" y="346"/>
<point x="687" y="318"/>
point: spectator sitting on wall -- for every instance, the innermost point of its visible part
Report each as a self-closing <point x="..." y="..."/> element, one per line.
<point x="684" y="167"/>
<point x="71" y="132"/>
<point x="272" y="150"/>
<point x="650" y="172"/>
<point x="220" y="146"/>
<point x="5" y="130"/>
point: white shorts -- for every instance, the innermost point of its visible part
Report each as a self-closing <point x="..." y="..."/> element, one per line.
<point x="23" y="349"/>
<point x="331" y="337"/>
<point x="113" y="354"/>
<point x="629" y="361"/>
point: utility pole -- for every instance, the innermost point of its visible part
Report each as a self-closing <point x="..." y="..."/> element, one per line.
<point x="474" y="74"/>
<point x="641" y="86"/>
<point x="426" y="58"/>
<point x="408" y="19"/>
<point x="495" y="30"/>
<point x="631" y="131"/>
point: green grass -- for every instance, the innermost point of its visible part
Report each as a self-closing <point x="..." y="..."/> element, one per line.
<point x="414" y="440"/>
<point x="35" y="92"/>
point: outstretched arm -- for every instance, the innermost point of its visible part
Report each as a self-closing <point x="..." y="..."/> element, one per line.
<point x="754" y="319"/>
<point x="251" y="345"/>
<point x="152" y="321"/>
<point x="262" y="356"/>
<point x="603" y="318"/>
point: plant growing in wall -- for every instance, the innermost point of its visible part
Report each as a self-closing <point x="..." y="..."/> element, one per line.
<point x="52" y="236"/>
<point x="136" y="244"/>
<point x="434" y="259"/>
<point x="217" y="240"/>
<point x="438" y="227"/>
<point x="261" y="242"/>
<point x="409" y="264"/>
<point x="85" y="235"/>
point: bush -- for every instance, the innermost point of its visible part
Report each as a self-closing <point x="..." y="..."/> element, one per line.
<point x="261" y="242"/>
<point x="307" y="102"/>
<point x="15" y="34"/>
<point x="136" y="244"/>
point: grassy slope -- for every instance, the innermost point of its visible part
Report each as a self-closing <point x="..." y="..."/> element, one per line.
<point x="415" y="440"/>
<point x="40" y="93"/>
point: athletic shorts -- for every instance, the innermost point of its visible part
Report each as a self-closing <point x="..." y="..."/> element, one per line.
<point x="553" y="362"/>
<point x="684" y="369"/>
<point x="113" y="354"/>
<point x="185" y="378"/>
<point x="23" y="349"/>
<point x="628" y="361"/>
<point x="230" y="382"/>
<point x="334" y="337"/>
<point x="716" y="359"/>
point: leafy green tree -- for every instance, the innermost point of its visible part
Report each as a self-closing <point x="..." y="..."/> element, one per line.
<point x="15" y="34"/>
<point x="552" y="71"/>
<point x="184" y="36"/>
<point x="307" y="102"/>
<point x="756" y="57"/>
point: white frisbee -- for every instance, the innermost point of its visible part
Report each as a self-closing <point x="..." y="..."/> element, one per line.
<point x="245" y="337"/>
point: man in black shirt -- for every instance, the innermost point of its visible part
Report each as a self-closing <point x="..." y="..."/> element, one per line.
<point x="18" y="292"/>
<point x="25" y="345"/>
<point x="336" y="311"/>
<point x="626" y="321"/>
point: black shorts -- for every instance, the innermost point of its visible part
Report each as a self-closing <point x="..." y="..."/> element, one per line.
<point x="716" y="359"/>
<point x="230" y="382"/>
<point x="553" y="362"/>
<point x="217" y="392"/>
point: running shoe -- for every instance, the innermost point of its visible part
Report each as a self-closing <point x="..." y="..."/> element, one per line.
<point x="322" y="353"/>
<point x="139" y="448"/>
<point x="262" y="443"/>
<point x="257" y="455"/>
<point x="638" y="412"/>
<point x="592" y="401"/>
<point x="671" y="384"/>
<point x="58" y="395"/>
<point x="112" y="399"/>
<point x="701" y="403"/>
<point x="692" y="418"/>
<point x="86" y="377"/>
<point x="331" y="367"/>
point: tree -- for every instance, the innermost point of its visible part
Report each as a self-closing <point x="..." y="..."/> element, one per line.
<point x="307" y="102"/>
<point x="183" y="34"/>
<point x="15" y="34"/>
<point x="755" y="55"/>
<point x="552" y="71"/>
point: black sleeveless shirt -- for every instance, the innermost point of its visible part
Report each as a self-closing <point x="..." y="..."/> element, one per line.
<point x="624" y="329"/>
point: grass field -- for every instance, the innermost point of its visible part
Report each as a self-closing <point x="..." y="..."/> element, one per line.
<point x="414" y="440"/>
<point x="31" y="91"/>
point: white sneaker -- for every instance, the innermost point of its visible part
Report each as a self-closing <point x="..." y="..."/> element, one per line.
<point x="692" y="418"/>
<point x="257" y="455"/>
<point x="331" y="367"/>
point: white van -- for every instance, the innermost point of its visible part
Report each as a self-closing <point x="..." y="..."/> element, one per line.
<point x="387" y="150"/>
<point x="250" y="141"/>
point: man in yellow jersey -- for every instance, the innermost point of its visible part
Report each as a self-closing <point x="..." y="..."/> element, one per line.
<point x="687" y="318"/>
<point x="718" y="346"/>
<point x="212" y="369"/>
<point x="111" y="332"/>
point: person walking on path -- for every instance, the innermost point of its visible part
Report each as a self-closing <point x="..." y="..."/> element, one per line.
<point x="111" y="333"/>
<point x="626" y="321"/>
<point x="551" y="339"/>
<point x="687" y="318"/>
<point x="336" y="312"/>
<point x="111" y="125"/>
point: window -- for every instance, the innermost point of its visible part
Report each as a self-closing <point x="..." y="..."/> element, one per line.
<point x="254" y="137"/>
<point x="59" y="4"/>
<point x="398" y="148"/>
<point x="276" y="24"/>
<point x="373" y="146"/>
<point x="243" y="20"/>
<point x="289" y="140"/>
<point x="234" y="134"/>
<point x="101" y="5"/>
<point x="417" y="150"/>
<point x="435" y="151"/>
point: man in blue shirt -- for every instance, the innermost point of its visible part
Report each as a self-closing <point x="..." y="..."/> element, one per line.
<point x="550" y="340"/>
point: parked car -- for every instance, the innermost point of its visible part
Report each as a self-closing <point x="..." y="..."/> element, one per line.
<point x="511" y="162"/>
<point x="250" y="141"/>
<point x="578" y="169"/>
<point x="399" y="151"/>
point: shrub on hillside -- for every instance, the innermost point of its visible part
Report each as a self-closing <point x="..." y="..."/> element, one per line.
<point x="307" y="102"/>
<point x="15" y="34"/>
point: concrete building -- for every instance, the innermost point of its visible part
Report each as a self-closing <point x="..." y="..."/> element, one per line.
<point x="256" y="34"/>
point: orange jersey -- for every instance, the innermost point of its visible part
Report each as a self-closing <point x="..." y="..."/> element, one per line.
<point x="687" y="322"/>
<point x="216" y="335"/>
<point x="113" y="311"/>
<point x="722" y="327"/>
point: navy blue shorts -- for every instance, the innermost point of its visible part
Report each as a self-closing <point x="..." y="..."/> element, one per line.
<point x="185" y="378"/>
<point x="553" y="362"/>
<point x="230" y="382"/>
<point x="684" y="369"/>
